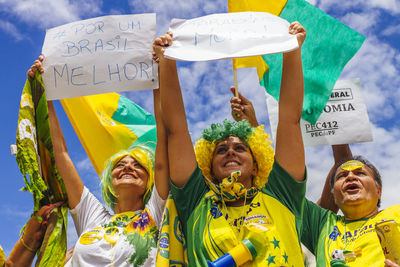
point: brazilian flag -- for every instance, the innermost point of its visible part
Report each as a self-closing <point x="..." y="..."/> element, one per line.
<point x="329" y="45"/>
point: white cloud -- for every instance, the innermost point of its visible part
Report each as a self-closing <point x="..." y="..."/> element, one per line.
<point x="206" y="94"/>
<point x="364" y="22"/>
<point x="84" y="165"/>
<point x="390" y="6"/>
<point x="183" y="9"/>
<point x="50" y="13"/>
<point x="375" y="64"/>
<point x="11" y="29"/>
<point x="391" y="30"/>
<point x="16" y="212"/>
<point x="319" y="161"/>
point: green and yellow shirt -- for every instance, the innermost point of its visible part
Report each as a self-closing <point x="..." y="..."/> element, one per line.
<point x="211" y="229"/>
<point x="324" y="232"/>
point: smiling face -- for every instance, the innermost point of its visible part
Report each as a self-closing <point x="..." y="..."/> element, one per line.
<point x="356" y="191"/>
<point x="231" y="155"/>
<point x="129" y="175"/>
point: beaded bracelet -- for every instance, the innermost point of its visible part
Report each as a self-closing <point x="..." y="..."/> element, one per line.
<point x="26" y="246"/>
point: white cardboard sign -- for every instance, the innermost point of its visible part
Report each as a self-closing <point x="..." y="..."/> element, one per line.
<point x="229" y="35"/>
<point x="343" y="121"/>
<point x="100" y="55"/>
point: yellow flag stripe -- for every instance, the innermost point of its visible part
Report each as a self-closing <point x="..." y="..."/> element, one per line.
<point x="100" y="135"/>
<point x="274" y="7"/>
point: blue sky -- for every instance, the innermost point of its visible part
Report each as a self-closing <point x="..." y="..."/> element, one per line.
<point x="205" y="87"/>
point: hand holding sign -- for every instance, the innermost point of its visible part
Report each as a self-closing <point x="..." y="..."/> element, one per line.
<point x="230" y="35"/>
<point x="99" y="55"/>
<point x="160" y="44"/>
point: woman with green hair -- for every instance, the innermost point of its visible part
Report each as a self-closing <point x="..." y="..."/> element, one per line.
<point x="132" y="187"/>
<point x="231" y="189"/>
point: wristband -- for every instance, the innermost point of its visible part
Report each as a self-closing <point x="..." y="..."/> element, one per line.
<point x="26" y="246"/>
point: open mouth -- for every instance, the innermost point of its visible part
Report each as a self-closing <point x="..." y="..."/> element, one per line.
<point x="352" y="188"/>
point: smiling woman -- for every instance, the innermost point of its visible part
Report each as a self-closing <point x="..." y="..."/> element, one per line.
<point x="127" y="185"/>
<point x="231" y="190"/>
<point x="128" y="173"/>
<point x="131" y="186"/>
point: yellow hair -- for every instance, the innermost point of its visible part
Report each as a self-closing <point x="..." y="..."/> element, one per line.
<point x="144" y="156"/>
<point x="260" y="146"/>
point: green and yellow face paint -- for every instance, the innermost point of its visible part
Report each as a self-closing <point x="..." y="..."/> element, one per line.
<point x="351" y="165"/>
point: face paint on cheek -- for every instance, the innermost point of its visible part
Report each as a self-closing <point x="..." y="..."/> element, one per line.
<point x="351" y="165"/>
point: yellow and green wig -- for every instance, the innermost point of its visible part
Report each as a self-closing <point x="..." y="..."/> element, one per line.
<point x="142" y="154"/>
<point x="255" y="139"/>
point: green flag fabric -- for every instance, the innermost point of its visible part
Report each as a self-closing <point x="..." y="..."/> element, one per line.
<point x="54" y="245"/>
<point x="328" y="47"/>
<point x="35" y="158"/>
<point x="27" y="148"/>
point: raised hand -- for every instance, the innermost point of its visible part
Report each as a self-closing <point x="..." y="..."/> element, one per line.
<point x="242" y="109"/>
<point x="297" y="29"/>
<point x="37" y="225"/>
<point x="160" y="44"/>
<point x="37" y="66"/>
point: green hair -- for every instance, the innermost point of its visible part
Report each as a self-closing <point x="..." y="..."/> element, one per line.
<point x="144" y="156"/>
<point x="218" y="131"/>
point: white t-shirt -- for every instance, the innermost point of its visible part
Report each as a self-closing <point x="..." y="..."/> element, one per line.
<point x="104" y="238"/>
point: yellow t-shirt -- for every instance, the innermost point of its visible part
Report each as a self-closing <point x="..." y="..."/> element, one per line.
<point x="324" y="232"/>
<point x="272" y="219"/>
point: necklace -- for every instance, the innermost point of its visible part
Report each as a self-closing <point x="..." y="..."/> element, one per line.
<point x="345" y="253"/>
<point x="357" y="233"/>
<point x="237" y="224"/>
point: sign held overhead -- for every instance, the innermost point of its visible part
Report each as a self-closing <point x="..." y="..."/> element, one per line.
<point x="344" y="119"/>
<point x="100" y="55"/>
<point x="229" y="35"/>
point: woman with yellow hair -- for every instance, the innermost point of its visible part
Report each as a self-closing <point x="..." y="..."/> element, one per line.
<point x="135" y="190"/>
<point x="232" y="194"/>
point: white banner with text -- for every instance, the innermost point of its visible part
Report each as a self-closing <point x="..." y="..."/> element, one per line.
<point x="229" y="35"/>
<point x="100" y="55"/>
<point x="344" y="119"/>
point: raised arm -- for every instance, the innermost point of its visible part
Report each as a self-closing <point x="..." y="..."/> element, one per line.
<point x="65" y="167"/>
<point x="289" y="151"/>
<point x="161" y="170"/>
<point x="242" y="109"/>
<point x="181" y="157"/>
<point x="25" y="249"/>
<point x="341" y="153"/>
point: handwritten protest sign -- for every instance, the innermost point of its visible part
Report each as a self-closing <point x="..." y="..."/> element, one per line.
<point x="229" y="35"/>
<point x="343" y="121"/>
<point x="100" y="55"/>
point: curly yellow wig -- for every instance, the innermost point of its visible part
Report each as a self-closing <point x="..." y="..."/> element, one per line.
<point x="256" y="140"/>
